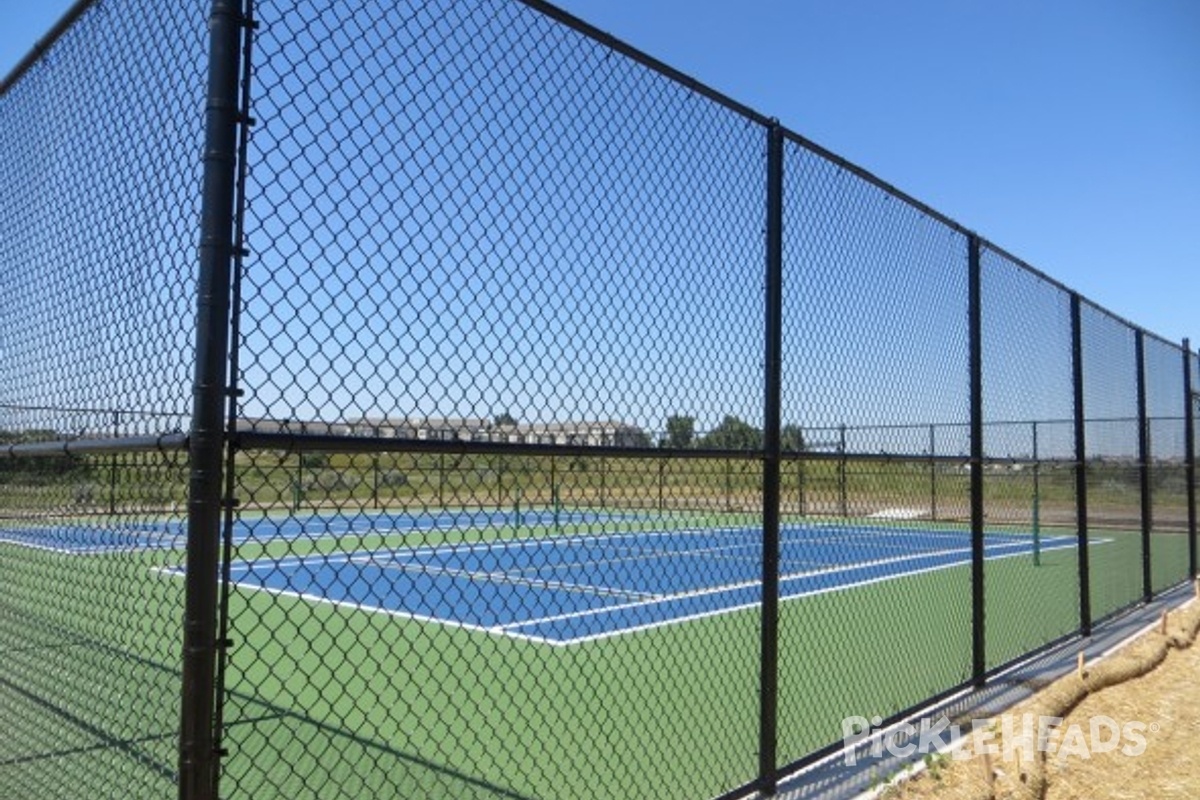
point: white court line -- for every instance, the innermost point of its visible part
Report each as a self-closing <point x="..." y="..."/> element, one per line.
<point x="98" y="549"/>
<point x="504" y="577"/>
<point x="746" y="606"/>
<point x="556" y="541"/>
<point x="733" y="587"/>
<point x="178" y="572"/>
<point x="65" y="551"/>
<point x="1051" y="543"/>
<point x="497" y="544"/>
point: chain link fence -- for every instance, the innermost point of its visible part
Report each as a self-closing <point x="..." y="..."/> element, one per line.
<point x="538" y="422"/>
<point x="99" y="140"/>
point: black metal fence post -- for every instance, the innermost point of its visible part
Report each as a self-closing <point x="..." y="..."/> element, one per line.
<point x="630" y="245"/>
<point x="1144" y="466"/>
<point x="978" y="660"/>
<point x="772" y="457"/>
<point x="198" y="760"/>
<point x="1189" y="435"/>
<point x="1081" y="484"/>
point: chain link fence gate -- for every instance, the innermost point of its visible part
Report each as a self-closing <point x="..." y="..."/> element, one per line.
<point x="524" y="430"/>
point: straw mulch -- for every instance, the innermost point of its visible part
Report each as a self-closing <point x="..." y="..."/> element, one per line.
<point x="1153" y="685"/>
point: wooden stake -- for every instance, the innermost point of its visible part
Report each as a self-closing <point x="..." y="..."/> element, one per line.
<point x="1163" y="626"/>
<point x="1082" y="673"/>
<point x="989" y="774"/>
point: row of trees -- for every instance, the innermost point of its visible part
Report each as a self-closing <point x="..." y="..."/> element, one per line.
<point x="733" y="433"/>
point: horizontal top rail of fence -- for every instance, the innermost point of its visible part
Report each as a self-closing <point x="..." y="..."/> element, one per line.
<point x="443" y="399"/>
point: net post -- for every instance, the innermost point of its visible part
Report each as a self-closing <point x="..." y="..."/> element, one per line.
<point x="375" y="481"/>
<point x="978" y="644"/>
<point x="1081" y="484"/>
<point x="114" y="466"/>
<point x="554" y="493"/>
<point x="772" y="457"/>
<point x="933" y="504"/>
<point x="441" y="487"/>
<point x="1037" y="501"/>
<point x="1144" y="466"/>
<point x="499" y="463"/>
<point x="1189" y="435"/>
<point x="843" y="497"/>
<point x="728" y="474"/>
<point x="603" y="483"/>
<point x="800" y="486"/>
<point x="557" y="507"/>
<point x="517" y="505"/>
<point x="198" y="758"/>
<point x="662" y="484"/>
<point x="298" y="493"/>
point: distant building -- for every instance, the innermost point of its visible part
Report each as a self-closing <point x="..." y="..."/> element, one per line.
<point x="604" y="433"/>
<point x="294" y="426"/>
<point x="591" y="434"/>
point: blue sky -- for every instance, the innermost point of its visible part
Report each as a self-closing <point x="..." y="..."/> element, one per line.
<point x="1065" y="132"/>
<point x="24" y="24"/>
<point x="1061" y="134"/>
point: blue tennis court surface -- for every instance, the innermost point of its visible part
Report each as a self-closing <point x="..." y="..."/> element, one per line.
<point x="559" y="589"/>
<point x="565" y="590"/>
<point x="84" y="538"/>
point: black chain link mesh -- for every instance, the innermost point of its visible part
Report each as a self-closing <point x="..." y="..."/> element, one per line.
<point x="461" y="211"/>
<point x="1114" y="494"/>
<point x="499" y="447"/>
<point x="874" y="367"/>
<point x="1194" y="554"/>
<point x="98" y="228"/>
<point x="1166" y="410"/>
<point x="1031" y="577"/>
<point x="472" y="226"/>
<point x="99" y="178"/>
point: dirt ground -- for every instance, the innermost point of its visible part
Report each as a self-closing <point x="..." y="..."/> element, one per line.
<point x="1125" y="732"/>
